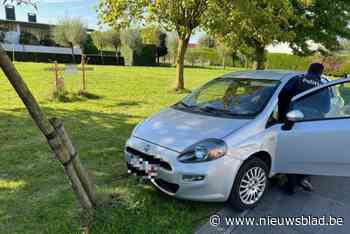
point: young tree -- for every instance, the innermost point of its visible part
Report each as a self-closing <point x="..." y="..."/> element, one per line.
<point x="113" y="39"/>
<point x="70" y="32"/>
<point x="100" y="40"/>
<point x="132" y="38"/>
<point x="172" y="45"/>
<point x="181" y="16"/>
<point x="154" y="35"/>
<point x="207" y="41"/>
<point x="223" y="51"/>
<point x="54" y="132"/>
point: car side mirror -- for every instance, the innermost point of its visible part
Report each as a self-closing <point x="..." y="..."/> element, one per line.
<point x="295" y="116"/>
<point x="292" y="117"/>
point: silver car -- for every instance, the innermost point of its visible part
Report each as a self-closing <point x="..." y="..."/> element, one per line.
<point x="224" y="140"/>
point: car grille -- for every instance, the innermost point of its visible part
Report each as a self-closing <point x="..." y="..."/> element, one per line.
<point x="149" y="158"/>
<point x="169" y="187"/>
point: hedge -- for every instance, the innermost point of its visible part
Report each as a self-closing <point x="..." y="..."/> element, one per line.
<point x="210" y="56"/>
<point x="64" y="58"/>
<point x="144" y="56"/>
<point x="288" y="62"/>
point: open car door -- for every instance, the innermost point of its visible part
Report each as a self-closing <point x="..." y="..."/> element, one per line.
<point x="317" y="139"/>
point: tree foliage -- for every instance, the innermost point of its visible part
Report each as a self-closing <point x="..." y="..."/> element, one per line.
<point x="113" y="39"/>
<point x="253" y="23"/>
<point x="70" y="32"/>
<point x="100" y="39"/>
<point x="172" y="45"/>
<point x="324" y="22"/>
<point x="258" y="23"/>
<point x="207" y="41"/>
<point x="131" y="38"/>
<point x="154" y="35"/>
<point x="181" y="16"/>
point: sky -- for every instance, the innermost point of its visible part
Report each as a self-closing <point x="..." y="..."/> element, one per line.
<point x="51" y="11"/>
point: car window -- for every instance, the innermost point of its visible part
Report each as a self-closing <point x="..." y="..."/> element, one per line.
<point x="327" y="103"/>
<point x="236" y="96"/>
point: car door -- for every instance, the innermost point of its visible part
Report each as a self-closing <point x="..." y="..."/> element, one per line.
<point x="319" y="143"/>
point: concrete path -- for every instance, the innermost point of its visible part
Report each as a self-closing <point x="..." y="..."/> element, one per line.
<point x="331" y="198"/>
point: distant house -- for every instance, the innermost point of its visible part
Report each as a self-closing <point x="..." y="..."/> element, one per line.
<point x="30" y="36"/>
<point x="192" y="45"/>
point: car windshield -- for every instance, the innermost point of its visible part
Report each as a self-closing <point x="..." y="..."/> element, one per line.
<point x="231" y="96"/>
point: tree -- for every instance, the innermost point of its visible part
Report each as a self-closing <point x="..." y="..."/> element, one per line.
<point x="325" y="23"/>
<point x="151" y="35"/>
<point x="70" y="32"/>
<point x="154" y="35"/>
<point x="181" y="16"/>
<point x="132" y="38"/>
<point x="89" y="46"/>
<point x="54" y="132"/>
<point x="253" y="23"/>
<point x="113" y="39"/>
<point x="207" y="41"/>
<point x="256" y="24"/>
<point x="162" y="49"/>
<point x="223" y="51"/>
<point x="172" y="45"/>
<point x="100" y="40"/>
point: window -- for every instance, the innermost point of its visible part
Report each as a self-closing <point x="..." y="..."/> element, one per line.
<point x="239" y="97"/>
<point x="328" y="103"/>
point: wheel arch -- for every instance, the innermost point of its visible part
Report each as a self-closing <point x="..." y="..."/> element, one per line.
<point x="264" y="156"/>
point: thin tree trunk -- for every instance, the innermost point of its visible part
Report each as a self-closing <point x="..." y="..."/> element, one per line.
<point x="55" y="135"/>
<point x="73" y="55"/>
<point x="260" y="56"/>
<point x="102" y="59"/>
<point x="180" y="62"/>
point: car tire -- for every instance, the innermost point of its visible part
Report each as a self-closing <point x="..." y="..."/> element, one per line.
<point x="246" y="195"/>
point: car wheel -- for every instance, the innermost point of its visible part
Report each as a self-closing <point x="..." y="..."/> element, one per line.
<point x="250" y="184"/>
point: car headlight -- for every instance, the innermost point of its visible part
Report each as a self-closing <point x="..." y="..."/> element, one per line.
<point x="204" y="151"/>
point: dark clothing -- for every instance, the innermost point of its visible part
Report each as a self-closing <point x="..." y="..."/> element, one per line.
<point x="301" y="84"/>
<point x="293" y="181"/>
<point x="320" y="100"/>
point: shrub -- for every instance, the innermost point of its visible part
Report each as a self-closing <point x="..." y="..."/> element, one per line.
<point x="144" y="56"/>
<point x="202" y="56"/>
<point x="288" y="62"/>
<point x="65" y="96"/>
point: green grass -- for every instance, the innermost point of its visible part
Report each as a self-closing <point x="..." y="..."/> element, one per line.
<point x="35" y="196"/>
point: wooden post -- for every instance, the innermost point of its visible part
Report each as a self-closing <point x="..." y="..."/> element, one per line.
<point x="80" y="170"/>
<point x="55" y="134"/>
<point x="83" y="58"/>
<point x="55" y="68"/>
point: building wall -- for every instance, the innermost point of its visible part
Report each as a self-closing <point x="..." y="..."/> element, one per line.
<point x="39" y="31"/>
<point x="40" y="49"/>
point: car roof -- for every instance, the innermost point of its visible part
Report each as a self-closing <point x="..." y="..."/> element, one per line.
<point x="263" y="74"/>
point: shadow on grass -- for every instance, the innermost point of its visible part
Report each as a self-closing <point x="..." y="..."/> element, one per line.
<point x="44" y="200"/>
<point x="129" y="103"/>
<point x="88" y="95"/>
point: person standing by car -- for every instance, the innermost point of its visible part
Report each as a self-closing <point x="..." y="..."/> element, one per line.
<point x="295" y="86"/>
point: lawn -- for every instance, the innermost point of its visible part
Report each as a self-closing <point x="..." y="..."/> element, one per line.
<point x="35" y="196"/>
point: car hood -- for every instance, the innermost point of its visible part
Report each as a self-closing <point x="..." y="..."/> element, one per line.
<point x="177" y="130"/>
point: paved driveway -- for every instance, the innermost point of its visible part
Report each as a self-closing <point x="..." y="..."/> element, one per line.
<point x="331" y="198"/>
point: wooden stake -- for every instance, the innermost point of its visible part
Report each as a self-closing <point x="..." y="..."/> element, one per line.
<point x="55" y="134"/>
<point x="56" y="75"/>
<point x="83" y="57"/>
